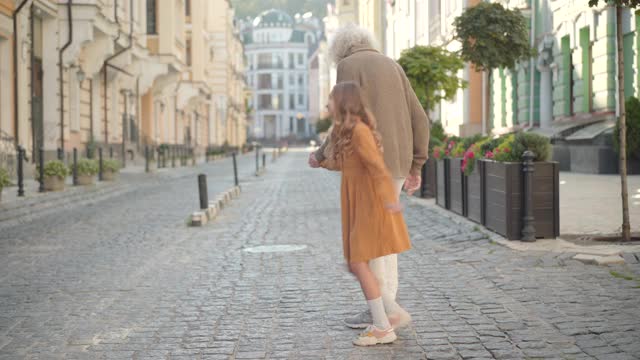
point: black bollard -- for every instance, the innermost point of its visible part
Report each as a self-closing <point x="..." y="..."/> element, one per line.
<point x="100" y="164"/>
<point x="528" y="220"/>
<point x="173" y="156"/>
<point x="202" y="189"/>
<point x="41" y="173"/>
<point x="257" y="159"/>
<point x="146" y="158"/>
<point x="264" y="160"/>
<point x="20" y="171"/>
<point x="110" y="152"/>
<point x="75" y="166"/>
<point x="60" y="154"/>
<point x="235" y="169"/>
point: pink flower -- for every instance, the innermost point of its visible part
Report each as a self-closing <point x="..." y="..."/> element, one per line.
<point x="506" y="150"/>
<point x="488" y="155"/>
<point x="471" y="154"/>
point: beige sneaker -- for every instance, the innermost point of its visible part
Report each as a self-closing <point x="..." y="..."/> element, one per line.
<point x="374" y="336"/>
<point x="399" y="319"/>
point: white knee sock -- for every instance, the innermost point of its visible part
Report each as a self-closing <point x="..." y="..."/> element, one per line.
<point x="380" y="319"/>
<point x="390" y="304"/>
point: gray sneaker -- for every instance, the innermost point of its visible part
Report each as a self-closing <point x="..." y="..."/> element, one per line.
<point x="360" y="321"/>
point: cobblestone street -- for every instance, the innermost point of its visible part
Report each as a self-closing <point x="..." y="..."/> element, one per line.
<point x="127" y="279"/>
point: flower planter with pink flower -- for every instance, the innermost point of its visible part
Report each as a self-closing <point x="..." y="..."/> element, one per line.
<point x="456" y="186"/>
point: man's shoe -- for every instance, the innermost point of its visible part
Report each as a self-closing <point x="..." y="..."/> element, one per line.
<point x="374" y="336"/>
<point x="360" y="321"/>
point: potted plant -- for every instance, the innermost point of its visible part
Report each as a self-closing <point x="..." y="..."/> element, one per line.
<point x="54" y="174"/>
<point x="504" y="187"/>
<point x="86" y="170"/>
<point x="4" y="181"/>
<point x="110" y="169"/>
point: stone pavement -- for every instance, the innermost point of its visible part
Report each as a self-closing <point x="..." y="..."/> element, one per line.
<point x="126" y="279"/>
<point x="600" y="194"/>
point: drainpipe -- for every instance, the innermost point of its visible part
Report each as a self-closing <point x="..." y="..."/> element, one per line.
<point x="107" y="65"/>
<point x="15" y="73"/>
<point x="60" y="69"/>
<point x="532" y="63"/>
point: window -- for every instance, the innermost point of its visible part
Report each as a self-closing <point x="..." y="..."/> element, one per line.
<point x="280" y="80"/>
<point x="300" y="80"/>
<point x="628" y="40"/>
<point x="292" y="79"/>
<point x="264" y="101"/>
<point x="264" y="61"/>
<point x="300" y="99"/>
<point x="292" y="101"/>
<point x="151" y="17"/>
<point x="291" y="124"/>
<point x="567" y="75"/>
<point x="291" y="61"/>
<point x="300" y="60"/>
<point x="264" y="81"/>
<point x="187" y="7"/>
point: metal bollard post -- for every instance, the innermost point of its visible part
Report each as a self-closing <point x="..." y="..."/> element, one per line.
<point x="202" y="189"/>
<point x="193" y="157"/>
<point x="60" y="154"/>
<point x="173" y="156"/>
<point x="100" y="164"/>
<point x="146" y="158"/>
<point x="20" y="171"/>
<point x="41" y="173"/>
<point x="257" y="159"/>
<point x="528" y="220"/>
<point x="110" y="152"/>
<point x="264" y="160"/>
<point x="75" y="167"/>
<point x="235" y="169"/>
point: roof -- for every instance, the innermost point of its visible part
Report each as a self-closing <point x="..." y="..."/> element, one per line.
<point x="273" y="18"/>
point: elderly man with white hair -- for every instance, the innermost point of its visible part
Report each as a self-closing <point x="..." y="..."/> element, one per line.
<point x="404" y="127"/>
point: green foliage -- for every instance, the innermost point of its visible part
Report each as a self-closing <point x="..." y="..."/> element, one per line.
<point x="54" y="168"/>
<point x="493" y="37"/>
<point x="504" y="152"/>
<point x="111" y="165"/>
<point x="432" y="72"/>
<point x="632" y="109"/>
<point x="253" y="8"/>
<point x="458" y="150"/>
<point x="4" y="179"/>
<point x="437" y="131"/>
<point x="539" y="144"/>
<point x="433" y="143"/>
<point x="491" y="144"/>
<point x="627" y="3"/>
<point x="468" y="141"/>
<point x="323" y="125"/>
<point x="85" y="167"/>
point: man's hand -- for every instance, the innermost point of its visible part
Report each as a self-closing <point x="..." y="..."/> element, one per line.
<point x="313" y="162"/>
<point x="412" y="183"/>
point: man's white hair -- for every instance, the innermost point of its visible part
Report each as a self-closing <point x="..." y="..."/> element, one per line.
<point x="348" y="38"/>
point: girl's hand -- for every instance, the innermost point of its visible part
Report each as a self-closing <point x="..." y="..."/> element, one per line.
<point x="394" y="208"/>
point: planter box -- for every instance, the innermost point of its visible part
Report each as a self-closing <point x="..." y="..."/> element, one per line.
<point x="456" y="187"/>
<point x="111" y="176"/>
<point x="85" y="180"/>
<point x="504" y="199"/>
<point x="442" y="188"/>
<point x="474" y="193"/>
<point x="53" y="183"/>
<point x="429" y="180"/>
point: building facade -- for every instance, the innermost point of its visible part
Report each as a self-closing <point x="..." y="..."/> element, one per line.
<point x="117" y="74"/>
<point x="277" y="50"/>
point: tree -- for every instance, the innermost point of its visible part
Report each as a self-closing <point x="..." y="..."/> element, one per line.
<point x="492" y="37"/>
<point x="622" y="125"/>
<point x="432" y="72"/>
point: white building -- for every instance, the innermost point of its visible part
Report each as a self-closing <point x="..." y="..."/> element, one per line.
<point x="277" y="50"/>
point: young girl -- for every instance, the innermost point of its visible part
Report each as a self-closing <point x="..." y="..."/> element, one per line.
<point x="372" y="222"/>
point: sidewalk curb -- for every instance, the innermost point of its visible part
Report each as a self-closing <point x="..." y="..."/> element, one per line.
<point x="202" y="217"/>
<point x="597" y="254"/>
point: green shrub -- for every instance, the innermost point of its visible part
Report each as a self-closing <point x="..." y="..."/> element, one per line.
<point x="434" y="142"/>
<point x="632" y="109"/>
<point x="54" y="168"/>
<point x="468" y="141"/>
<point x="504" y="152"/>
<point x="86" y="167"/>
<point x="491" y="145"/>
<point x="437" y="131"/>
<point x="539" y="144"/>
<point x="4" y="179"/>
<point x="111" y="165"/>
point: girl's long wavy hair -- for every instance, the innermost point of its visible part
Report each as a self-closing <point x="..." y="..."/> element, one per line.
<point x="348" y="107"/>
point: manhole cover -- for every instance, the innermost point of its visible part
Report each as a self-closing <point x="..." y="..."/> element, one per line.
<point x="275" y="248"/>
